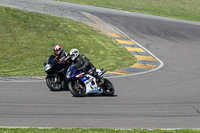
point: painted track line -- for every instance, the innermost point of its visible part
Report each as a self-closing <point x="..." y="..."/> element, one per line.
<point x="146" y="61"/>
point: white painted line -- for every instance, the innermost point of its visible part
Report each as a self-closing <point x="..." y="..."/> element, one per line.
<point x="91" y="128"/>
<point x="161" y="64"/>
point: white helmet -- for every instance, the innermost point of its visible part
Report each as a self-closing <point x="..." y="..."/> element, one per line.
<point x="74" y="53"/>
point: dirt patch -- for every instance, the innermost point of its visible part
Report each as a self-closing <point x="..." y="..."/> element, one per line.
<point x="99" y="24"/>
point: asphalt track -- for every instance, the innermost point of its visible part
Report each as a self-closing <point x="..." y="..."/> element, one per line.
<point x="165" y="98"/>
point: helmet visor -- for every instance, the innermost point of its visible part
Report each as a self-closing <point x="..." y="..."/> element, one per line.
<point x="56" y="52"/>
<point x="73" y="56"/>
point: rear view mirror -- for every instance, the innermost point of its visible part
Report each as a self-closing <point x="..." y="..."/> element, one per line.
<point x="44" y="63"/>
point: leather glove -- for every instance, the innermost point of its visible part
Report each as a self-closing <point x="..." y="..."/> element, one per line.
<point x="62" y="60"/>
<point x="81" y="69"/>
<point x="78" y="69"/>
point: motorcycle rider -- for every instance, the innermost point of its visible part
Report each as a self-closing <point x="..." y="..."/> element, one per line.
<point x="62" y="55"/>
<point x="82" y="63"/>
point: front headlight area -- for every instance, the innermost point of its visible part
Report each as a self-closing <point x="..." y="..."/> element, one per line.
<point x="47" y="67"/>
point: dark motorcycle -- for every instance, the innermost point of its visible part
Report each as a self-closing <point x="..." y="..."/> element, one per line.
<point x="56" y="74"/>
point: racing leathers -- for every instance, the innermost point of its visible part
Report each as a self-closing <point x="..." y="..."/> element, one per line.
<point x="64" y="58"/>
<point x="82" y="63"/>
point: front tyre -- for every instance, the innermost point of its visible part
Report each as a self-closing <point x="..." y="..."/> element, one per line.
<point x="76" y="88"/>
<point x="53" y="86"/>
<point x="108" y="88"/>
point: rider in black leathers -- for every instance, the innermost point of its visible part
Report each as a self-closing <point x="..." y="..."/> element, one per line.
<point x="63" y="58"/>
<point x="62" y="55"/>
<point x="82" y="63"/>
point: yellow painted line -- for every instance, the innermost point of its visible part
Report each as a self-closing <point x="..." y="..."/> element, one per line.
<point x="135" y="49"/>
<point x="125" y="42"/>
<point x="149" y="58"/>
<point x="116" y="35"/>
<point x="119" y="72"/>
<point x="143" y="66"/>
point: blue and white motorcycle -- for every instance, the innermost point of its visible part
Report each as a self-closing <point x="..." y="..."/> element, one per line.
<point x="81" y="84"/>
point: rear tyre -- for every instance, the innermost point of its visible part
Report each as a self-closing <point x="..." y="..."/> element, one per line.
<point x="77" y="89"/>
<point x="53" y="86"/>
<point x="108" y="88"/>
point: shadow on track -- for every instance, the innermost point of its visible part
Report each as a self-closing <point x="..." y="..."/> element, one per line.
<point x="95" y="95"/>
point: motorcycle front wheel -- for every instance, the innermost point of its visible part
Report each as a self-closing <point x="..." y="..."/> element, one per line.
<point x="76" y="88"/>
<point x="52" y="84"/>
<point x="108" y="88"/>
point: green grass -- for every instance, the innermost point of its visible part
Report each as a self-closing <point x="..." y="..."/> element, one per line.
<point x="27" y="40"/>
<point x="91" y="130"/>
<point x="181" y="9"/>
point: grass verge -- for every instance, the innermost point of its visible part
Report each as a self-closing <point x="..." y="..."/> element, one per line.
<point x="181" y="9"/>
<point x="27" y="40"/>
<point x="91" y="130"/>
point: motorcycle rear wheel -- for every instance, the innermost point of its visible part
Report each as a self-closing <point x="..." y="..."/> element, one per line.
<point x="76" y="88"/>
<point x="108" y="88"/>
<point x="53" y="86"/>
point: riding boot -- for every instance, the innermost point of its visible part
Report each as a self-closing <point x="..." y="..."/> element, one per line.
<point x="100" y="80"/>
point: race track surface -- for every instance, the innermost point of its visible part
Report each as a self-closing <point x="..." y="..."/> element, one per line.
<point x="166" y="98"/>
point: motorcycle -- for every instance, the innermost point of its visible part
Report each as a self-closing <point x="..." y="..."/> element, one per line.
<point x="56" y="72"/>
<point x="81" y="83"/>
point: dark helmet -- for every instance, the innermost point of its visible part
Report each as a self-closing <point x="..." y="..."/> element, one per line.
<point x="57" y="49"/>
